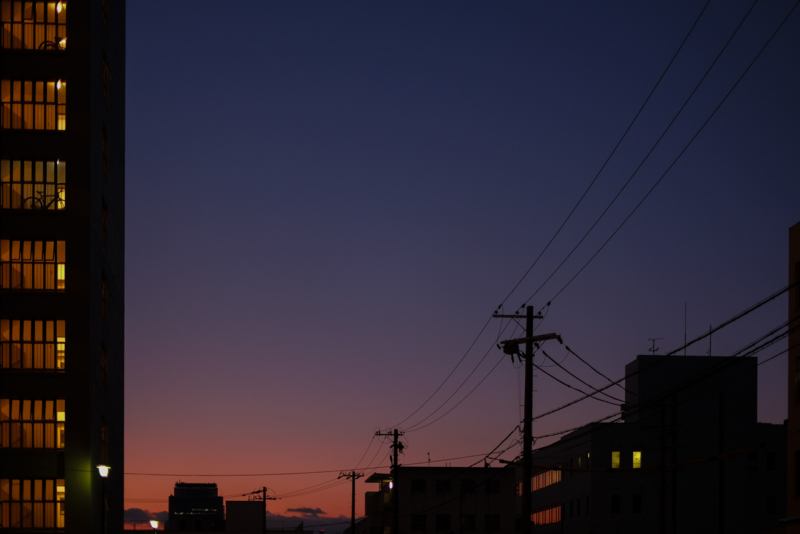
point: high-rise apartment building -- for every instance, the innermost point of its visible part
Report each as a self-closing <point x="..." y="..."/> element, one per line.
<point x="62" y="240"/>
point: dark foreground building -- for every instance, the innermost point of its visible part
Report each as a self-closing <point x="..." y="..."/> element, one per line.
<point x="688" y="457"/>
<point x="440" y="499"/>
<point x="196" y="507"/>
<point x="62" y="242"/>
<point x="793" y="459"/>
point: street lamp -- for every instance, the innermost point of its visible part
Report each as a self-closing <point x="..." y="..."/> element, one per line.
<point x="154" y="524"/>
<point x="103" y="469"/>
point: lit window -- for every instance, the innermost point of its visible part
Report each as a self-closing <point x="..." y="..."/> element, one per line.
<point x="33" y="184"/>
<point x="32" y="424"/>
<point x="547" y="516"/>
<point x="33" y="25"/>
<point x="33" y="105"/>
<point x="32" y="504"/>
<point x="615" y="460"/>
<point x="637" y="459"/>
<point x="32" y="345"/>
<point x="544" y="479"/>
<point x="32" y="265"/>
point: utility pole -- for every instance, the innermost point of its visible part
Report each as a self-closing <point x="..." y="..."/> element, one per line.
<point x="511" y="346"/>
<point x="398" y="448"/>
<point x="352" y="475"/>
<point x="261" y="495"/>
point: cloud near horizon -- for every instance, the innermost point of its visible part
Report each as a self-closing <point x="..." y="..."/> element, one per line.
<point x="307" y="512"/>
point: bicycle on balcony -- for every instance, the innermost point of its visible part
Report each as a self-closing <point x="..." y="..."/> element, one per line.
<point x="40" y="201"/>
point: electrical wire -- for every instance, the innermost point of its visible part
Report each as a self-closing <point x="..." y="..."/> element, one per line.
<point x="685" y="148"/>
<point x="647" y="156"/>
<point x="602" y="167"/>
<point x="581" y="380"/>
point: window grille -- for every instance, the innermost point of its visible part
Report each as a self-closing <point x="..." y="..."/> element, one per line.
<point x="32" y="345"/>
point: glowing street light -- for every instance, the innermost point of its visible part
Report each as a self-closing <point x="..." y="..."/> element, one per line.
<point x="103" y="469"/>
<point x="59" y="7"/>
<point x="154" y="524"/>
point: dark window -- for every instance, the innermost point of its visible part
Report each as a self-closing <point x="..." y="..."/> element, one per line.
<point x="797" y="379"/>
<point x="105" y="152"/>
<point x="104" y="368"/>
<point x="797" y="287"/>
<point x="105" y="294"/>
<point x="104" y="222"/>
<point x="442" y="487"/>
<point x="492" y="486"/>
<point x="578" y="506"/>
<point x="587" y="504"/>
<point x="467" y="523"/>
<point x="419" y="523"/>
<point x="104" y="443"/>
<point x="752" y="460"/>
<point x="770" y="505"/>
<point x="491" y="523"/>
<point x="419" y="485"/>
<point x="797" y="473"/>
<point x="468" y="486"/>
<point x="616" y="504"/>
<point x="636" y="504"/>
<point x="770" y="461"/>
<point x="570" y="508"/>
<point x="106" y="81"/>
<point x="442" y="522"/>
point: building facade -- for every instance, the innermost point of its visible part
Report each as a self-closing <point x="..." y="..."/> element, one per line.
<point x="793" y="447"/>
<point x="688" y="456"/>
<point x="440" y="499"/>
<point x="196" y="508"/>
<point x="62" y="130"/>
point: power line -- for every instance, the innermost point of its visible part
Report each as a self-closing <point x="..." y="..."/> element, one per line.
<point x="613" y="151"/>
<point x="647" y="156"/>
<point x="678" y="156"/>
<point x="695" y="340"/>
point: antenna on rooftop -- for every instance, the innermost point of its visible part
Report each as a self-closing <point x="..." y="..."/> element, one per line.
<point x="654" y="349"/>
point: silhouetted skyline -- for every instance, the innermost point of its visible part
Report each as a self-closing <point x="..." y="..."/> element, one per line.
<point x="326" y="202"/>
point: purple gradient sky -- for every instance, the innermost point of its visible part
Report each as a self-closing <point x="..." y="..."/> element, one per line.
<point x="326" y="201"/>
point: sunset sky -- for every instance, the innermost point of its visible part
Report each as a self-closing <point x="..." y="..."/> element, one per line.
<point x="326" y="201"/>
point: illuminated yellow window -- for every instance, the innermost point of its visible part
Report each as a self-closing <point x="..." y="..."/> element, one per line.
<point x="32" y="504"/>
<point x="33" y="105"/>
<point x="637" y="459"/>
<point x="32" y="265"/>
<point x="32" y="345"/>
<point x="615" y="460"/>
<point x="33" y="185"/>
<point x="31" y="424"/>
<point x="37" y="25"/>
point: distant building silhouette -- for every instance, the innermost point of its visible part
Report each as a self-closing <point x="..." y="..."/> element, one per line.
<point x="62" y="265"/>
<point x="688" y="457"/>
<point x="195" y="507"/>
<point x="441" y="499"/>
<point x="793" y="448"/>
<point x="247" y="517"/>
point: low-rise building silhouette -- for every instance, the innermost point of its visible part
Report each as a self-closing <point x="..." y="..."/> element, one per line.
<point x="440" y="499"/>
<point x="195" y="507"/>
<point x="687" y="455"/>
